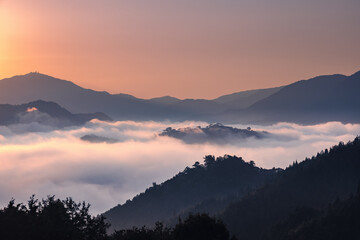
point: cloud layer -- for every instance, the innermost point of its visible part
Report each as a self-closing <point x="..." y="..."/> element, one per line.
<point x="58" y="162"/>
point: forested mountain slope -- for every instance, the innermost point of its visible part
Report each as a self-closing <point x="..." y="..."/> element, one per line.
<point x="313" y="183"/>
<point x="217" y="179"/>
<point x="340" y="220"/>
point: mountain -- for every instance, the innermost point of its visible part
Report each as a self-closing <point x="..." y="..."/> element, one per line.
<point x="165" y="100"/>
<point x="314" y="183"/>
<point x="313" y="94"/>
<point x="215" y="180"/>
<point x="323" y="98"/>
<point x="317" y="100"/>
<point x="198" y="109"/>
<point x="251" y="201"/>
<point x="338" y="221"/>
<point x="34" y="86"/>
<point x="45" y="113"/>
<point x="320" y="99"/>
<point x="243" y="100"/>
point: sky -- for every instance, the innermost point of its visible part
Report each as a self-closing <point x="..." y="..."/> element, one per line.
<point x="57" y="162"/>
<point x="186" y="49"/>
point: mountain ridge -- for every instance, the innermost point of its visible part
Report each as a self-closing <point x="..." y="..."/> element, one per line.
<point x="214" y="179"/>
<point x="251" y="212"/>
<point x="320" y="99"/>
<point x="45" y="113"/>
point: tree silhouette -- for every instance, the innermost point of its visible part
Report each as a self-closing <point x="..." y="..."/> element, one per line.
<point x="200" y="226"/>
<point x="209" y="160"/>
<point x="194" y="227"/>
<point x="51" y="218"/>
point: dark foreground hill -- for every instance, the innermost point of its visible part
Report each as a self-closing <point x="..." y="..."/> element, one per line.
<point x="251" y="201"/>
<point x="340" y="220"/>
<point x="313" y="183"/>
<point x="44" y="113"/>
<point x="318" y="198"/>
<point x="216" y="180"/>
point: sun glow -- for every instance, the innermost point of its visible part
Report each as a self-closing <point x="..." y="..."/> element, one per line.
<point x="7" y="30"/>
<point x="154" y="49"/>
<point x="4" y="32"/>
<point x="17" y="28"/>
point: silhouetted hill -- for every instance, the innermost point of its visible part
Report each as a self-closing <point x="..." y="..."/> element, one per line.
<point x="215" y="180"/>
<point x="243" y="100"/>
<point x="321" y="99"/>
<point x="313" y="183"/>
<point x="198" y="107"/>
<point x="33" y="86"/>
<point x="338" y="221"/>
<point x="309" y="94"/>
<point x="213" y="133"/>
<point x="46" y="113"/>
<point x="255" y="203"/>
<point x="165" y="100"/>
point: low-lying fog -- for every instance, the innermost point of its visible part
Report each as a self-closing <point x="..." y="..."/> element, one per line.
<point x="58" y="162"/>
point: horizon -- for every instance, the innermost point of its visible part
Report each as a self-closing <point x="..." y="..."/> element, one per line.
<point x="239" y="119"/>
<point x="154" y="97"/>
<point x="182" y="49"/>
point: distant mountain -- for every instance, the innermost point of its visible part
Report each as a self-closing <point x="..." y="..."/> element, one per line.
<point x="317" y="100"/>
<point x="198" y="108"/>
<point x="216" y="180"/>
<point x="165" y="100"/>
<point x="213" y="133"/>
<point x="243" y="100"/>
<point x="321" y="99"/>
<point x="45" y="113"/>
<point x="324" y="98"/>
<point x="321" y="92"/>
<point x="34" y="86"/>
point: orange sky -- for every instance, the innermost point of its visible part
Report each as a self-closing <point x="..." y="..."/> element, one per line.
<point x="188" y="48"/>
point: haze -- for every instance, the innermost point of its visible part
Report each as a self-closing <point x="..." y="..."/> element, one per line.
<point x="58" y="162"/>
<point x="198" y="49"/>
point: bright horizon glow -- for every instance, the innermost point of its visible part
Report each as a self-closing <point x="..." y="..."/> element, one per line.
<point x="185" y="49"/>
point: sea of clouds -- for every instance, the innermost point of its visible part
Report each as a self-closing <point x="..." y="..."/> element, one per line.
<point x="36" y="159"/>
